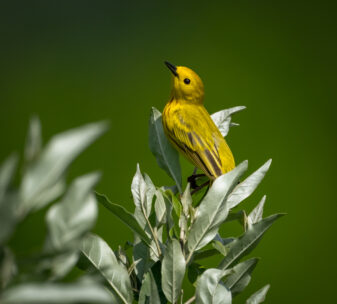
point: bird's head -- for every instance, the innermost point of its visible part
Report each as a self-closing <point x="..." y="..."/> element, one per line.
<point x="187" y="85"/>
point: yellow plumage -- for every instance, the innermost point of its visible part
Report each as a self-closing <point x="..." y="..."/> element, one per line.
<point x="190" y="128"/>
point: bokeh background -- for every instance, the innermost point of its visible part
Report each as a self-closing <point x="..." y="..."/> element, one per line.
<point x="80" y="61"/>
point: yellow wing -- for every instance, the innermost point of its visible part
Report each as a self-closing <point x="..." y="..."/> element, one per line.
<point x="191" y="129"/>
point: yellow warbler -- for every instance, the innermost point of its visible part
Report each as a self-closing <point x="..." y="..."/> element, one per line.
<point x="191" y="129"/>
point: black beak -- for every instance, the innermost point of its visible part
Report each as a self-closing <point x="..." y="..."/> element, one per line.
<point x="172" y="68"/>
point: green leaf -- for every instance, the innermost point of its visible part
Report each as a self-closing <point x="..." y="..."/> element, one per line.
<point x="204" y="254"/>
<point x="222" y="119"/>
<point x="257" y="213"/>
<point x="219" y="247"/>
<point x="33" y="140"/>
<point x="56" y="293"/>
<point x="53" y="161"/>
<point x="76" y="214"/>
<point x="172" y="271"/>
<point x="8" y="200"/>
<point x="102" y="257"/>
<point x="42" y="199"/>
<point x="186" y="201"/>
<point x="241" y="285"/>
<point x="149" y="291"/>
<point x="8" y="267"/>
<point x="210" y="290"/>
<point x="243" y="245"/>
<point x="246" y="188"/>
<point x="259" y="296"/>
<point x="167" y="157"/>
<point x="8" y="216"/>
<point x="239" y="274"/>
<point x="142" y="191"/>
<point x="194" y="271"/>
<point x="222" y="295"/>
<point x="125" y="216"/>
<point x="141" y="254"/>
<point x="160" y="208"/>
<point x="7" y="171"/>
<point x="213" y="210"/>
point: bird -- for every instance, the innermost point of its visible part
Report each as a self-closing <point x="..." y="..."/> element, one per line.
<point x="190" y="128"/>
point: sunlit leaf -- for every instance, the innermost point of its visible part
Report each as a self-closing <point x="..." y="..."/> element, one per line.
<point x="104" y="260"/>
<point x="210" y="289"/>
<point x="167" y="157"/>
<point x="244" y="244"/>
<point x="56" y="293"/>
<point x="53" y="161"/>
<point x="259" y="296"/>
<point x="246" y="188"/>
<point x="222" y="119"/>
<point x="257" y="213"/>
<point x="186" y="201"/>
<point x="142" y="192"/>
<point x="172" y="271"/>
<point x="160" y="208"/>
<point x="69" y="219"/>
<point x="213" y="209"/>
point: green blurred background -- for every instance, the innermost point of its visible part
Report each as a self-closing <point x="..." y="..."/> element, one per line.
<point x="76" y="62"/>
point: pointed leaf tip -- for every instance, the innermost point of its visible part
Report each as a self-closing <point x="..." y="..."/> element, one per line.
<point x="248" y="186"/>
<point x="259" y="296"/>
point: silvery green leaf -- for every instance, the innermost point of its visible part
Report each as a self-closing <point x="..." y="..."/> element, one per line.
<point x="213" y="209"/>
<point x="142" y="192"/>
<point x="167" y="157"/>
<point x="259" y="296"/>
<point x="33" y="140"/>
<point x="238" y="272"/>
<point x="246" y="188"/>
<point x="207" y="288"/>
<point x="222" y="119"/>
<point x="104" y="260"/>
<point x="125" y="216"/>
<point x="244" y="244"/>
<point x="241" y="285"/>
<point x="222" y="295"/>
<point x="56" y="293"/>
<point x="7" y="171"/>
<point x="257" y="213"/>
<point x="53" y="192"/>
<point x="220" y="247"/>
<point x="150" y="191"/>
<point x="69" y="219"/>
<point x="204" y="254"/>
<point x="186" y="201"/>
<point x="160" y="208"/>
<point x="149" y="291"/>
<point x="172" y="271"/>
<point x="53" y="161"/>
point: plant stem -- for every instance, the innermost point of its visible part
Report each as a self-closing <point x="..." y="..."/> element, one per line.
<point x="189" y="257"/>
<point x="152" y="232"/>
<point x="191" y="300"/>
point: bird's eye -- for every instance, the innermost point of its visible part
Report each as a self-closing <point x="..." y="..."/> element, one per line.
<point x="187" y="81"/>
